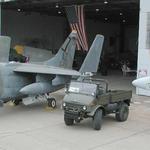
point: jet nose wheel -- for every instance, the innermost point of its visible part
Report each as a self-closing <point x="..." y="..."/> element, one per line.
<point x="51" y="102"/>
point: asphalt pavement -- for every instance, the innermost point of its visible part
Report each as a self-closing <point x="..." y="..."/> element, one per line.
<point x="37" y="127"/>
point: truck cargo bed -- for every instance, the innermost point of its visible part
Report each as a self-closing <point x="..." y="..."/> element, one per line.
<point x="114" y="96"/>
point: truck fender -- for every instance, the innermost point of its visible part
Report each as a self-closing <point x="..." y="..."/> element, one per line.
<point x="91" y="114"/>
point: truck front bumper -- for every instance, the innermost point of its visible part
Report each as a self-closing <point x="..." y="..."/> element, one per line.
<point x="74" y="116"/>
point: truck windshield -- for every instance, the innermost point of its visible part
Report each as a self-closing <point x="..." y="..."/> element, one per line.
<point x="83" y="88"/>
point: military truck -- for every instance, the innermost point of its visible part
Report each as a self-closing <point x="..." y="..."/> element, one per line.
<point x="91" y="98"/>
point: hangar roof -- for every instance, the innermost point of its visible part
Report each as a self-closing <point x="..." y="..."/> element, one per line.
<point x="126" y="11"/>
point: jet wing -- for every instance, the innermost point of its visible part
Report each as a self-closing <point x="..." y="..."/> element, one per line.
<point x="45" y="69"/>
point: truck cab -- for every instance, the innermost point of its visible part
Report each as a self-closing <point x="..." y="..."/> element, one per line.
<point x="90" y="98"/>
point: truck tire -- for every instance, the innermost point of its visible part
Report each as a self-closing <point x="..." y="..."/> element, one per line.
<point x="122" y="113"/>
<point x="97" y="119"/>
<point x="68" y="121"/>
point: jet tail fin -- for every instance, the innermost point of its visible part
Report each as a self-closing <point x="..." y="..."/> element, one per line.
<point x="65" y="56"/>
<point x="92" y="59"/>
<point x="4" y="48"/>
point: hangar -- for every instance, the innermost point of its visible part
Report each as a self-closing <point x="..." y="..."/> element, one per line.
<point x="38" y="23"/>
<point x="44" y="24"/>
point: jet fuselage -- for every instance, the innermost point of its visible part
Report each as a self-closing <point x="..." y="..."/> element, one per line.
<point x="15" y="85"/>
<point x="11" y="82"/>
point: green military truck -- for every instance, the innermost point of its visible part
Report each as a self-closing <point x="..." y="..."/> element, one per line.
<point x="91" y="98"/>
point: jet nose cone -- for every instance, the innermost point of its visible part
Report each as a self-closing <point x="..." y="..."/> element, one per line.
<point x="143" y="83"/>
<point x="135" y="83"/>
<point x="138" y="83"/>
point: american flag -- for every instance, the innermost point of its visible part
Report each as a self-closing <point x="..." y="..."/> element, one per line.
<point x="75" y="15"/>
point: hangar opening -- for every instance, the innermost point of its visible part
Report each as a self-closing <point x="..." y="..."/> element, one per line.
<point x="44" y="24"/>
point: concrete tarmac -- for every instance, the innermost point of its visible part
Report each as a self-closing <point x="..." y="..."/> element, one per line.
<point x="38" y="128"/>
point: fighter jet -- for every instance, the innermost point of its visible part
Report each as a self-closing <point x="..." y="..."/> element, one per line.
<point x="20" y="81"/>
<point x="143" y="83"/>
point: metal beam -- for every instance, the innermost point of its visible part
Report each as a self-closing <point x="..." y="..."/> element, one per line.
<point x="0" y="19"/>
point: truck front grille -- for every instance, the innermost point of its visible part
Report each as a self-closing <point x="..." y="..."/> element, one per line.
<point x="75" y="108"/>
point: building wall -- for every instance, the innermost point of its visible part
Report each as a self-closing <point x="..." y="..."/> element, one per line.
<point x="110" y="30"/>
<point x="144" y="44"/>
<point x="106" y="29"/>
<point x="23" y="28"/>
<point x="131" y="39"/>
<point x="51" y="31"/>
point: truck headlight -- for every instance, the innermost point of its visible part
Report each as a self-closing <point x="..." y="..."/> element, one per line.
<point x="84" y="108"/>
<point x="64" y="104"/>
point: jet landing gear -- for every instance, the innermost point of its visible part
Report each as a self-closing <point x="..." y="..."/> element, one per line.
<point x="51" y="101"/>
<point x="40" y="98"/>
<point x="17" y="102"/>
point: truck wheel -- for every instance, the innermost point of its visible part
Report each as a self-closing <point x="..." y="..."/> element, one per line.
<point x="122" y="113"/>
<point x="68" y="121"/>
<point x="97" y="119"/>
<point x="51" y="102"/>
